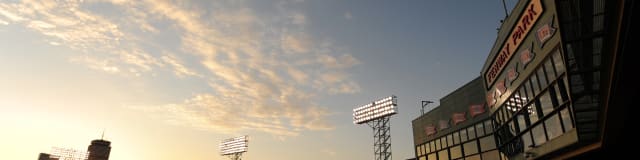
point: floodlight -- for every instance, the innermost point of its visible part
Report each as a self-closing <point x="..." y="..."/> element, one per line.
<point x="235" y="145"/>
<point x="374" y="110"/>
<point x="69" y="154"/>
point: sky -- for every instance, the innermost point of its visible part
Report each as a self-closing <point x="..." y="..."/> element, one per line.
<point x="168" y="80"/>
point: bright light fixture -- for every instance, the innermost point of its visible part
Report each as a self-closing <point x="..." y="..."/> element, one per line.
<point x="374" y="110"/>
<point x="234" y="145"/>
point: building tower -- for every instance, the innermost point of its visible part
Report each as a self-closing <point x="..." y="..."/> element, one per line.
<point x="99" y="149"/>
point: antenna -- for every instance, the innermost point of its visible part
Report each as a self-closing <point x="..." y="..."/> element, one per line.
<point x="424" y="104"/>
<point x="102" y="138"/>
<point x="504" y="5"/>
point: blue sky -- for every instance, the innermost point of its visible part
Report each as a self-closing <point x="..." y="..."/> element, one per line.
<point x="171" y="80"/>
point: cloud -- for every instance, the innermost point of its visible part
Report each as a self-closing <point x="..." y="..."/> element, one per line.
<point x="179" y="69"/>
<point x="259" y="65"/>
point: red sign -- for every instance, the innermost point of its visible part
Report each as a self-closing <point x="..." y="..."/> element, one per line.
<point x="430" y="130"/>
<point x="528" y="18"/>
<point x="544" y="33"/>
<point x="526" y="56"/>
<point x="476" y="109"/>
<point x="458" y="118"/>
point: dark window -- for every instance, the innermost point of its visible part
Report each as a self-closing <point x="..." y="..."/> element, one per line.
<point x="534" y="84"/>
<point x="557" y="61"/>
<point x="539" y="136"/>
<point x="566" y="119"/>
<point x="545" y="103"/>
<point x="533" y="115"/>
<point x="554" y="129"/>
<point x="521" y="120"/>
<point x="548" y="66"/>
<point x="542" y="77"/>
<point x="526" y="139"/>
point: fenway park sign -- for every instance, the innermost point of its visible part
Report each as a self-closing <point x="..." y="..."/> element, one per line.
<point x="528" y="18"/>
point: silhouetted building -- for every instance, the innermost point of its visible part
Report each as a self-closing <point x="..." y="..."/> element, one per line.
<point x="45" y="156"/>
<point x="99" y="149"/>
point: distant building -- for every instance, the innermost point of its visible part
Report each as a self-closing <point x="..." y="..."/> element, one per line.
<point x="99" y="149"/>
<point x="45" y="156"/>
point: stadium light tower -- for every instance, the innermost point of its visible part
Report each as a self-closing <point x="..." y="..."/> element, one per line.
<point x="234" y="147"/>
<point x="376" y="114"/>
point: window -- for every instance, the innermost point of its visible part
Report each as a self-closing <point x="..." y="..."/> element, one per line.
<point x="539" y="136"/>
<point x="463" y="135"/>
<point x="444" y="154"/>
<point x="476" y="157"/>
<point x="521" y="120"/>
<point x="449" y="140"/>
<point x="490" y="155"/>
<point x="432" y="156"/>
<point x="558" y="62"/>
<point x="554" y="129"/>
<point x="437" y="141"/>
<point x="548" y="66"/>
<point x="470" y="148"/>
<point x="456" y="138"/>
<point x="418" y="151"/>
<point x="533" y="117"/>
<point x="479" y="129"/>
<point x="472" y="132"/>
<point x="566" y="119"/>
<point x="534" y="84"/>
<point x="426" y="148"/>
<point x="526" y="138"/>
<point x="432" y="146"/>
<point x="422" y="158"/>
<point x="456" y="152"/>
<point x="542" y="77"/>
<point x="527" y="86"/>
<point x="545" y="103"/>
<point x="488" y="126"/>
<point x="443" y="140"/>
<point x="487" y="143"/>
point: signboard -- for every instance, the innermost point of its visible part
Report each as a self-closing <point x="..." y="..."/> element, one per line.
<point x="524" y="24"/>
<point x="458" y="118"/>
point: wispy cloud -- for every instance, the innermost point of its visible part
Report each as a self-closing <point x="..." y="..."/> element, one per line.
<point x="264" y="72"/>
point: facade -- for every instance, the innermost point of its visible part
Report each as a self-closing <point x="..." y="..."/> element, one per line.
<point x="556" y="84"/>
<point x="99" y="150"/>
<point x="548" y="77"/>
<point x="460" y="128"/>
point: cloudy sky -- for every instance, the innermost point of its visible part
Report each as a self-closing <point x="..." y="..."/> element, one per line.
<point x="170" y="80"/>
